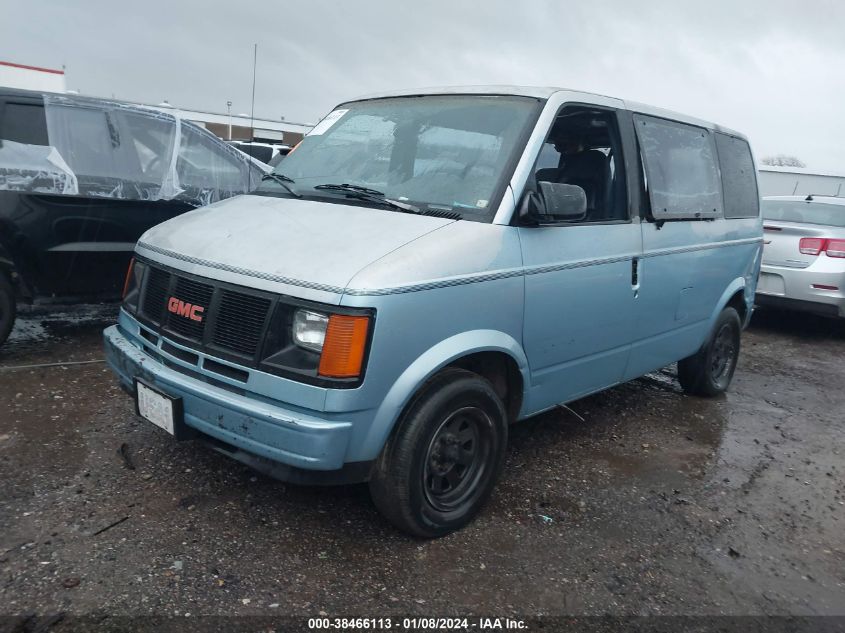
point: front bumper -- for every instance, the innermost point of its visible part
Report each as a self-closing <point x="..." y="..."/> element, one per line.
<point x="273" y="438"/>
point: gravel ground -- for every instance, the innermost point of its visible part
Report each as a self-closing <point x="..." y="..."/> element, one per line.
<point x="639" y="500"/>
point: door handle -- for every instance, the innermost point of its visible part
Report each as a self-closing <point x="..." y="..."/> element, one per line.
<point x="635" y="273"/>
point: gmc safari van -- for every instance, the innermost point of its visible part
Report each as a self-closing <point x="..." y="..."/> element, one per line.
<point x="428" y="267"/>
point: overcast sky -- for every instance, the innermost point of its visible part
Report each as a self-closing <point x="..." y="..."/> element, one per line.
<point x="772" y="69"/>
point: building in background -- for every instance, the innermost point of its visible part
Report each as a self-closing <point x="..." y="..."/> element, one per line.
<point x="238" y="127"/>
<point x="31" y="77"/>
<point x="792" y="181"/>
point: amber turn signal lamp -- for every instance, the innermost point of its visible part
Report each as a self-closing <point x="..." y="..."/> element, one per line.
<point x="128" y="277"/>
<point x="344" y="346"/>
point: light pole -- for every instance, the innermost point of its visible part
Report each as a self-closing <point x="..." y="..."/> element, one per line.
<point x="229" y="111"/>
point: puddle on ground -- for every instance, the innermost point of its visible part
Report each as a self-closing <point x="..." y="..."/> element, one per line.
<point x="51" y="334"/>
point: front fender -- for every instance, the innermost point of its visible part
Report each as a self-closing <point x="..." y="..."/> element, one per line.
<point x="444" y="353"/>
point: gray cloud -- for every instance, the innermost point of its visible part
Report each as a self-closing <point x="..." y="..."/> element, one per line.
<point x="772" y="69"/>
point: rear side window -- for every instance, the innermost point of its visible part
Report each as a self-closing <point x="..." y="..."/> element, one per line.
<point x="24" y="123"/>
<point x="150" y="143"/>
<point x="739" y="178"/>
<point x="204" y="163"/>
<point x="90" y="142"/>
<point x="681" y="171"/>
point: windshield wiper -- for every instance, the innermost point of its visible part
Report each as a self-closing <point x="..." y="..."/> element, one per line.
<point x="282" y="180"/>
<point x="364" y="193"/>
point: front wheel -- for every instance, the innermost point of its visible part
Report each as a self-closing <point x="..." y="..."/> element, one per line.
<point x="8" y="309"/>
<point x="441" y="464"/>
<point x="709" y="371"/>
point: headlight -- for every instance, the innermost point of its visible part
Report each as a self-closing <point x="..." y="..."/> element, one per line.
<point x="323" y="348"/>
<point x="309" y="329"/>
<point x="132" y="285"/>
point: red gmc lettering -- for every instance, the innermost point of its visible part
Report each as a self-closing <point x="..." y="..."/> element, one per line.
<point x="184" y="309"/>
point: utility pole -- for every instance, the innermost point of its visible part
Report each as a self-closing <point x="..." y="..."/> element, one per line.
<point x="229" y="111"/>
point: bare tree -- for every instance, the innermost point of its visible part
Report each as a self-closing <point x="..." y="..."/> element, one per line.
<point x="782" y="160"/>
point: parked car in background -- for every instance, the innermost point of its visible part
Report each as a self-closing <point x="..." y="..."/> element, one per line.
<point x="81" y="179"/>
<point x="804" y="254"/>
<point x="269" y="153"/>
<point x="426" y="268"/>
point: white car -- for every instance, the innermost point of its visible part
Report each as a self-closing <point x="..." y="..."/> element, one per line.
<point x="804" y="254"/>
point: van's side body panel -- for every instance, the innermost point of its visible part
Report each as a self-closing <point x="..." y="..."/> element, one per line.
<point x="685" y="271"/>
<point x="580" y="308"/>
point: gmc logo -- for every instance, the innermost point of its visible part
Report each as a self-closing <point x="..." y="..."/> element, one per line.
<point x="183" y="309"/>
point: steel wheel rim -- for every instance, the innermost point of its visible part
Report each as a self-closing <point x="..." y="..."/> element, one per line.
<point x="724" y="353"/>
<point x="456" y="459"/>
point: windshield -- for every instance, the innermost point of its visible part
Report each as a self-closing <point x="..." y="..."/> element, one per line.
<point x="804" y="212"/>
<point x="437" y="153"/>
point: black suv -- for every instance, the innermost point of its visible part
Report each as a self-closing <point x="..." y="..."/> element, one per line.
<point x="81" y="179"/>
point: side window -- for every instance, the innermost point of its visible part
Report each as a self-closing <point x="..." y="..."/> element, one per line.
<point x="89" y="140"/>
<point x="150" y="142"/>
<point x="739" y="178"/>
<point x="584" y="148"/>
<point x="681" y="169"/>
<point x="24" y="123"/>
<point x="203" y="163"/>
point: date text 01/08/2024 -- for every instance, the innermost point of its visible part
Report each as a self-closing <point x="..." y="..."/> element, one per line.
<point x="416" y="624"/>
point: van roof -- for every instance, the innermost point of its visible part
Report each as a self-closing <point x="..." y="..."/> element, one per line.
<point x="545" y="92"/>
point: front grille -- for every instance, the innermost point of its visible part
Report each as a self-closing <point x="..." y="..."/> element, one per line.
<point x="240" y="321"/>
<point x="157" y="283"/>
<point x="233" y="320"/>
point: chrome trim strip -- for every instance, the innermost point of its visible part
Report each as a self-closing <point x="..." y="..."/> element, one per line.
<point x="453" y="281"/>
<point x="539" y="270"/>
<point x="240" y="271"/>
<point x="702" y="247"/>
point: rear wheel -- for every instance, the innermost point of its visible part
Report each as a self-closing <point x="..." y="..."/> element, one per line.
<point x="710" y="370"/>
<point x="442" y="462"/>
<point x="8" y="309"/>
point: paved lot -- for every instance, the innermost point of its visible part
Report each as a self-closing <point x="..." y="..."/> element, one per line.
<point x="653" y="503"/>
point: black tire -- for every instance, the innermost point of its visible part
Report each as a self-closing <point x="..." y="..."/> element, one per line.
<point x="442" y="462"/>
<point x="8" y="307"/>
<point x="709" y="371"/>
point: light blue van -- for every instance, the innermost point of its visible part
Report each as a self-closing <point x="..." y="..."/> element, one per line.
<point x="426" y="268"/>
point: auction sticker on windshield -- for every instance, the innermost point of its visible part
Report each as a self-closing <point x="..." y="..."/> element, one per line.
<point x="155" y="407"/>
<point x="330" y="119"/>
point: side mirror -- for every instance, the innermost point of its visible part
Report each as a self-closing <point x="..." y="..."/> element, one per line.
<point x="563" y="203"/>
<point x="553" y="203"/>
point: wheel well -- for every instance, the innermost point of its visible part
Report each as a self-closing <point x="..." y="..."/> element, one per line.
<point x="502" y="372"/>
<point x="737" y="302"/>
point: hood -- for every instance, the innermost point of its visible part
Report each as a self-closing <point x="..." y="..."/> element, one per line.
<point x="316" y="243"/>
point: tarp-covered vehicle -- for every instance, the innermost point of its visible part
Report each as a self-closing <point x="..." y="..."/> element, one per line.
<point x="81" y="179"/>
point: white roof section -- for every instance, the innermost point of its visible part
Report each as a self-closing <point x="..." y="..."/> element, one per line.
<point x="815" y="198"/>
<point x="799" y="171"/>
<point x="545" y="92"/>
